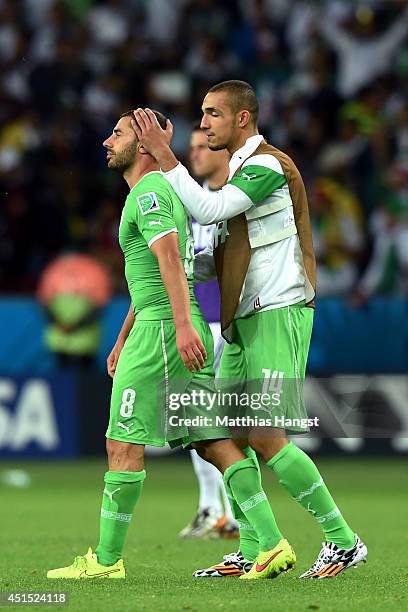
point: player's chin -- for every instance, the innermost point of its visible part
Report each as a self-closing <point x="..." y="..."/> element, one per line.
<point x="216" y="146"/>
<point x="199" y="172"/>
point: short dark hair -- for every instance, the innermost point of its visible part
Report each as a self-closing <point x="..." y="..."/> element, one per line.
<point x="159" y="116"/>
<point x="241" y="96"/>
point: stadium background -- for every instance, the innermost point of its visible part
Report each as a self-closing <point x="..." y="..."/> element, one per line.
<point x="332" y="79"/>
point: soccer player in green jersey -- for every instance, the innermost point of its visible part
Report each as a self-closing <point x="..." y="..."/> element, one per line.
<point x="264" y="259"/>
<point x="164" y="338"/>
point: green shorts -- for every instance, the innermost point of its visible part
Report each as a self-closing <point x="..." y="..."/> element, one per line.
<point x="149" y="371"/>
<point x="269" y="355"/>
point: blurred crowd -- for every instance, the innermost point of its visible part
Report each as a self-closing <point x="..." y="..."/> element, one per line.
<point x="331" y="76"/>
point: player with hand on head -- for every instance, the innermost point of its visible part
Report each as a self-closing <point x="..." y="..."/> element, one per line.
<point x="264" y="260"/>
<point x="214" y="517"/>
<point x="164" y="339"/>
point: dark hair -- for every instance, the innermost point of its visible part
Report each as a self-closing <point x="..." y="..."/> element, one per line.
<point x="159" y="116"/>
<point x="241" y="97"/>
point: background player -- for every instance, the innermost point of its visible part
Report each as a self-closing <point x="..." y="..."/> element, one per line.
<point x="214" y="517"/>
<point x="267" y="249"/>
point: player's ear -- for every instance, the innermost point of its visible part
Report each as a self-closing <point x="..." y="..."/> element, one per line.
<point x="141" y="149"/>
<point x="244" y="118"/>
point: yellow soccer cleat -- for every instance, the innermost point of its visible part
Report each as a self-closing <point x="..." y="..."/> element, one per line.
<point x="271" y="563"/>
<point x="88" y="567"/>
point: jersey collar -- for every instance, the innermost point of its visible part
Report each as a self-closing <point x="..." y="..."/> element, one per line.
<point x="251" y="144"/>
<point x="142" y="177"/>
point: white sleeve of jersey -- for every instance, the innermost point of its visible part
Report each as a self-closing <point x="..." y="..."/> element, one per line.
<point x="204" y="266"/>
<point x="207" y="207"/>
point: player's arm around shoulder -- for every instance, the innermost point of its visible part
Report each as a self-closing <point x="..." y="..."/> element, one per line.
<point x="205" y="206"/>
<point x="259" y="177"/>
<point x="191" y="349"/>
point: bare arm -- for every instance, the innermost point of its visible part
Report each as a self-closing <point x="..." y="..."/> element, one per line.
<point x="189" y="344"/>
<point x="127" y="324"/>
<point x="112" y="360"/>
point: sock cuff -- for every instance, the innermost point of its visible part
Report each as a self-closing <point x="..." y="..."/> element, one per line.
<point x="284" y="452"/>
<point x="124" y="477"/>
<point x="249" y="452"/>
<point x="243" y="464"/>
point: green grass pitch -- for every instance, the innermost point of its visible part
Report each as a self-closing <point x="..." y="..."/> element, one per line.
<point x="56" y="518"/>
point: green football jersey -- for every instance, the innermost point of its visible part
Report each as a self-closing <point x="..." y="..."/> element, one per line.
<point x="152" y="210"/>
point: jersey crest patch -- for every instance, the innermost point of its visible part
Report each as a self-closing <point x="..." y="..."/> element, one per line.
<point x="148" y="202"/>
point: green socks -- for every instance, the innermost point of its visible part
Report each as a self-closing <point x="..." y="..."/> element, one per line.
<point x="258" y="528"/>
<point x="122" y="490"/>
<point x="299" y="475"/>
<point x="248" y="539"/>
<point x="243" y="483"/>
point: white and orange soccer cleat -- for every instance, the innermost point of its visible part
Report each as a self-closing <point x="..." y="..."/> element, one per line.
<point x="232" y="565"/>
<point x="333" y="560"/>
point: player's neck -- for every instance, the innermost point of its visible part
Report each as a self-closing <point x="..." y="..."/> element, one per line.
<point x="217" y="179"/>
<point x="133" y="174"/>
<point x="241" y="139"/>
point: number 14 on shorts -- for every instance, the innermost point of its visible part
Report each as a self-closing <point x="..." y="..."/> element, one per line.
<point x="273" y="381"/>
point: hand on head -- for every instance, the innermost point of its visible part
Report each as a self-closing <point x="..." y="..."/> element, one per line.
<point x="149" y="132"/>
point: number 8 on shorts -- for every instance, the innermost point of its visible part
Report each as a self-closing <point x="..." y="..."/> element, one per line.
<point x="128" y="400"/>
